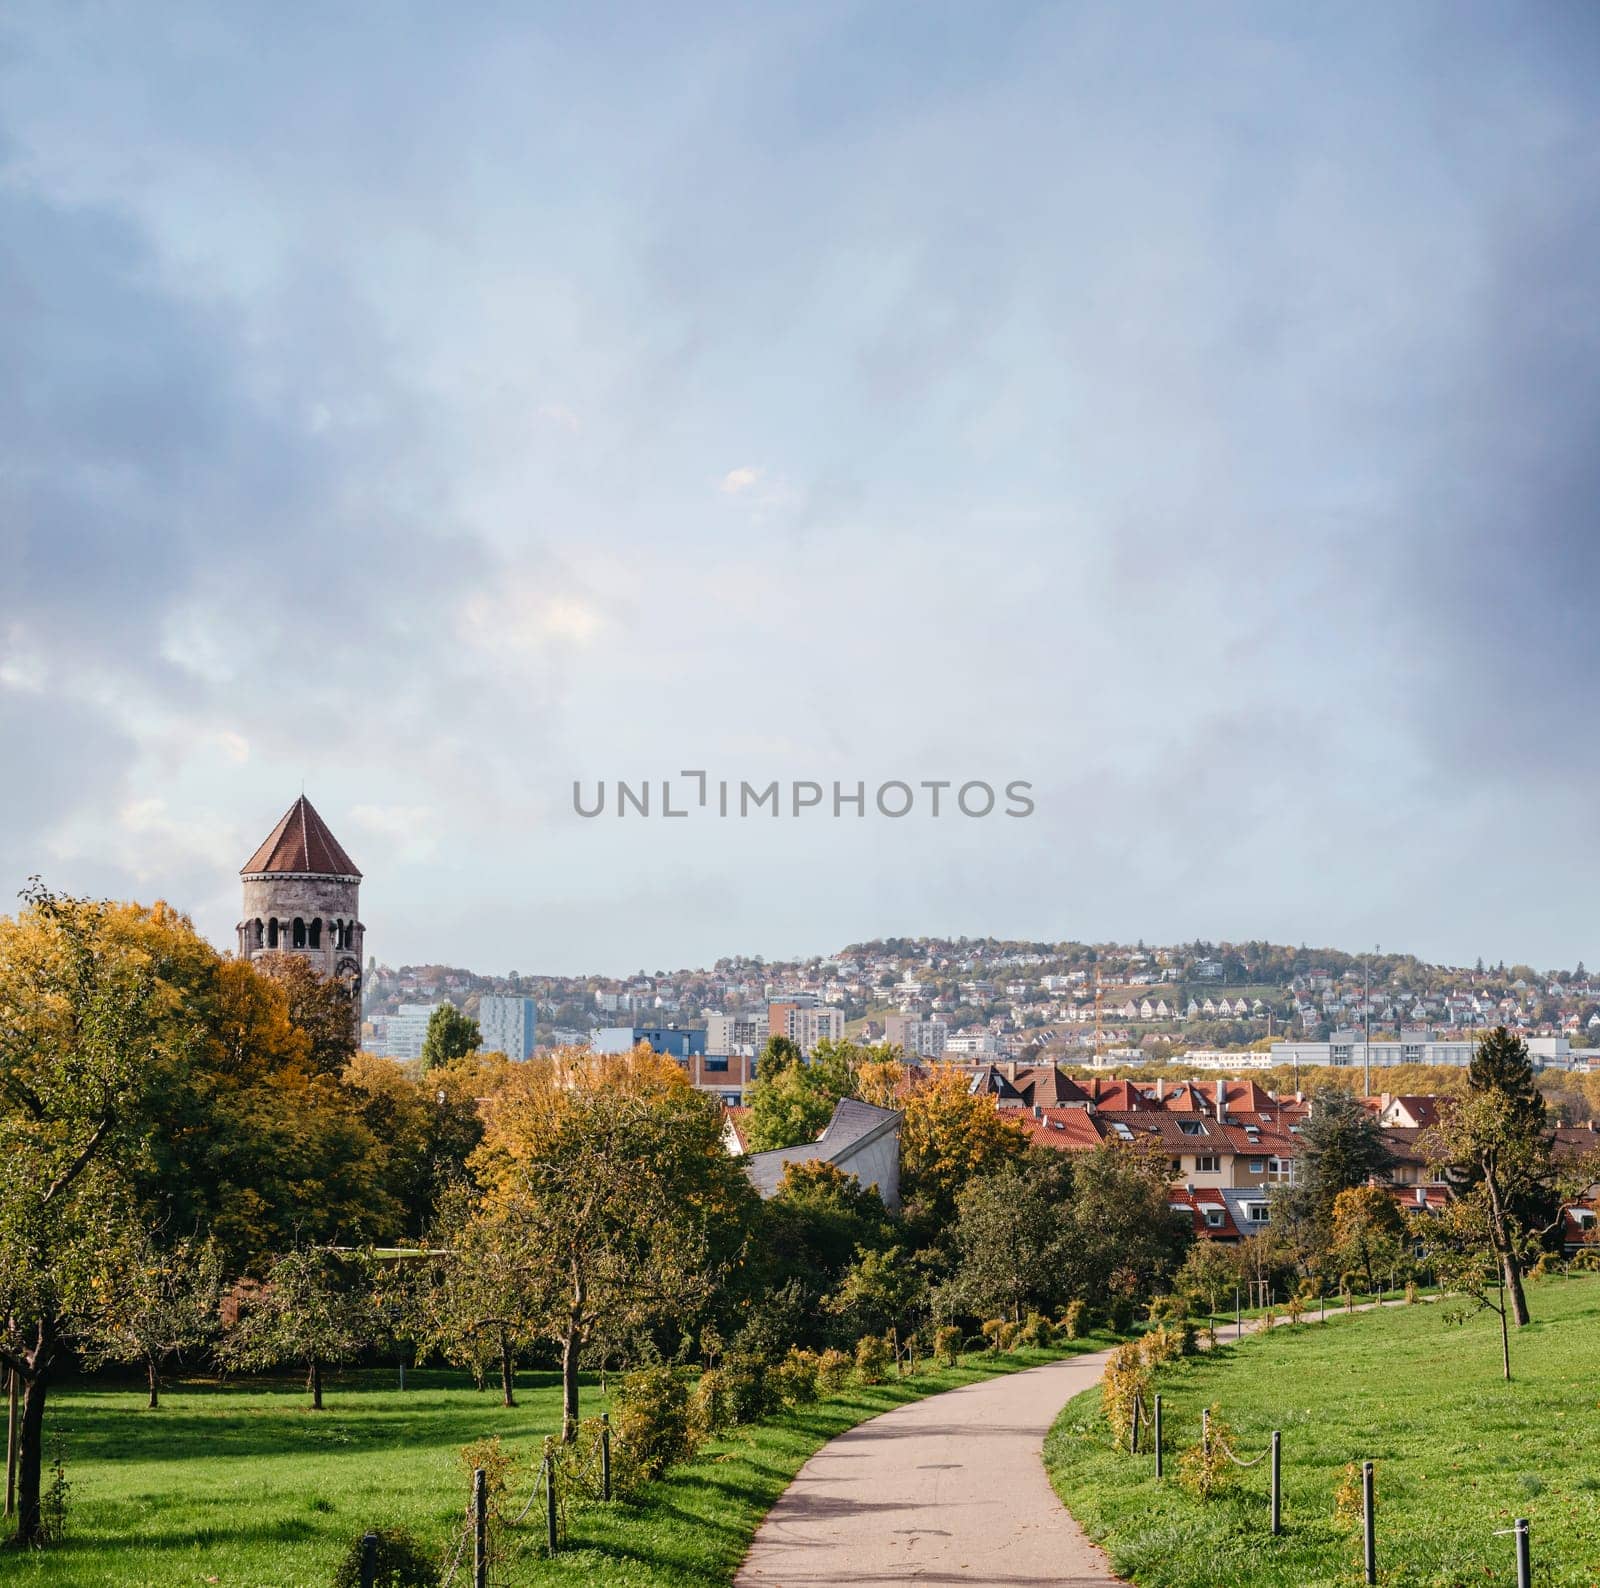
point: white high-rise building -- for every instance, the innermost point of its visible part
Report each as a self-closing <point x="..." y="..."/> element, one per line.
<point x="507" y="1024"/>
<point x="400" y="1035"/>
<point x="917" y="1039"/>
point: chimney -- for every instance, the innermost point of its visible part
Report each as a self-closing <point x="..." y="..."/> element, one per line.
<point x="1222" y="1099"/>
<point x="1422" y="1196"/>
<point x="1161" y="1088"/>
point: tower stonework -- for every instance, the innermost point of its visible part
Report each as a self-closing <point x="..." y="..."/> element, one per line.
<point x="302" y="896"/>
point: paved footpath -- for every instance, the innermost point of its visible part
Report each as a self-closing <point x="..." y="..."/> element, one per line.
<point x="950" y="1489"/>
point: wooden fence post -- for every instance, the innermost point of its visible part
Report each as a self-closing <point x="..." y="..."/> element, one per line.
<point x="480" y="1528"/>
<point x="1277" y="1483"/>
<point x="1369" y="1524"/>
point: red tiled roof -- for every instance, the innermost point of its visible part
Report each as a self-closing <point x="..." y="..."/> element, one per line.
<point x="301" y="842"/>
<point x="1070" y="1129"/>
<point x="1197" y="1201"/>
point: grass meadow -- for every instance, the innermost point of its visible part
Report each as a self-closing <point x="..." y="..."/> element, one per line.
<point x="1459" y="1453"/>
<point x="239" y="1485"/>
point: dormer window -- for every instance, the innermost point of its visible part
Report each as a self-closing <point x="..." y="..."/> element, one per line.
<point x="1192" y="1127"/>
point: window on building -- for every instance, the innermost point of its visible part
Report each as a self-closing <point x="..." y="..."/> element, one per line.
<point x="272" y="934"/>
<point x="1192" y="1127"/>
<point x="720" y="1062"/>
<point x="1258" y="1166"/>
<point x="299" y="933"/>
<point x="1207" y="1163"/>
<point x="316" y="932"/>
<point x="1256" y="1212"/>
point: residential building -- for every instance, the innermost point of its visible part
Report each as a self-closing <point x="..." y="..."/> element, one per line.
<point x="805" y="1024"/>
<point x="860" y="1139"/>
<point x="401" y="1035"/>
<point x="736" y="1033"/>
<point x="1349" y="1048"/>
<point x="917" y="1039"/>
<point x="508" y="1024"/>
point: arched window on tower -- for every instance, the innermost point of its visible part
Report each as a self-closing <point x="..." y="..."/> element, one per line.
<point x="272" y="934"/>
<point x="299" y="933"/>
<point x="316" y="932"/>
<point x="260" y="933"/>
<point x="338" y="933"/>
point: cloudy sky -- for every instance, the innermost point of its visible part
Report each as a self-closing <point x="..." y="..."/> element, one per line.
<point x="1194" y="411"/>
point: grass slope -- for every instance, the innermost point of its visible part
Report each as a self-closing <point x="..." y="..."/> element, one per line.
<point x="242" y="1487"/>
<point x="1459" y="1453"/>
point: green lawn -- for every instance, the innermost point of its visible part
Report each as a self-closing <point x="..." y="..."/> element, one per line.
<point x="1459" y="1453"/>
<point x="242" y="1487"/>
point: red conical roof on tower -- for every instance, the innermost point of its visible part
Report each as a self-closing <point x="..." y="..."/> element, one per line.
<point x="301" y="843"/>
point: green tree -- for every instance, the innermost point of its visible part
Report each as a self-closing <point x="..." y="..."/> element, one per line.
<point x="948" y="1136"/>
<point x="1368" y="1230"/>
<point x="1009" y="1238"/>
<point x="84" y="1005"/>
<point x="474" y="1302"/>
<point x="150" y="1303"/>
<point x="792" y="1103"/>
<point x="881" y="1292"/>
<point x="1209" y="1276"/>
<point x="610" y="1172"/>
<point x="1497" y="1142"/>
<point x="450" y="1035"/>
<point x="315" y="1309"/>
<point x="1342" y="1146"/>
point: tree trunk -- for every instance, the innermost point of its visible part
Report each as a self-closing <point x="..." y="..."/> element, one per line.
<point x="153" y="1379"/>
<point x="570" y="1348"/>
<point x="314" y="1384"/>
<point x="1505" y="1249"/>
<point x="507" y="1373"/>
<point x="30" y="1462"/>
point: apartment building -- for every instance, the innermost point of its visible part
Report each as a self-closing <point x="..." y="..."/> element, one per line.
<point x="916" y="1039"/>
<point x="507" y="1024"/>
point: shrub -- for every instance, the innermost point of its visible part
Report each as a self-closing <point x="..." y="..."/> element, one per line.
<point x="650" y="1423"/>
<point x="947" y="1343"/>
<point x="1295" y="1307"/>
<point x="1168" y="1309"/>
<point x="1347" y="1498"/>
<point x="1204" y="1468"/>
<point x="748" y="1394"/>
<point x="993" y="1331"/>
<point x="872" y="1358"/>
<point x="57" y="1492"/>
<point x="1120" y="1315"/>
<point x="1160" y="1345"/>
<point x="1075" y="1320"/>
<point x="1188" y="1338"/>
<point x="496" y="1462"/>
<point x="1411" y="1292"/>
<point x="833" y="1371"/>
<point x="1127" y="1376"/>
<point x="709" y="1412"/>
<point x="576" y="1465"/>
<point x="402" y="1562"/>
<point x="1038" y="1331"/>
<point x="795" y="1378"/>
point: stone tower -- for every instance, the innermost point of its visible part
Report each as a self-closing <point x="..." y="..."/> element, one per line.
<point x="301" y="896"/>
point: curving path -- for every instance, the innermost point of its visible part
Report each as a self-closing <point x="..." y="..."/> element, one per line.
<point x="946" y="1490"/>
<point x="950" y="1489"/>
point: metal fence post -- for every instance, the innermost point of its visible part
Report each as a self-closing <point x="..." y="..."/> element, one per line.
<point x="480" y="1528"/>
<point x="369" y="1560"/>
<point x="1524" y="1554"/>
<point x="1158" y="1436"/>
<point x="1205" y="1429"/>
<point x="549" y="1502"/>
<point x="605" y="1455"/>
<point x="1369" y="1523"/>
<point x="1277" y="1483"/>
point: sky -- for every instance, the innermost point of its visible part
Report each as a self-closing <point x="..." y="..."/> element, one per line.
<point x="1193" y="412"/>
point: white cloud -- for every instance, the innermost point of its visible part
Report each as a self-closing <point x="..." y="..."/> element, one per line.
<point x="737" y="481"/>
